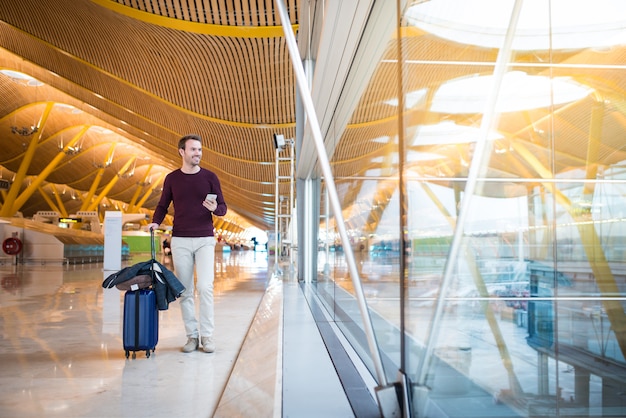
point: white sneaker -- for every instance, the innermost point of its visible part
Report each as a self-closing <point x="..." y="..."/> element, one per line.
<point x="192" y="345"/>
<point x="208" y="345"/>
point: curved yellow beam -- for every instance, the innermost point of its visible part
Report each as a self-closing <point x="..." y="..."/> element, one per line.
<point x="196" y="27"/>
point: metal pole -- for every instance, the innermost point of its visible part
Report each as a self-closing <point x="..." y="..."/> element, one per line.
<point x="326" y="245"/>
<point x="292" y="145"/>
<point x="276" y="216"/>
<point x="332" y="190"/>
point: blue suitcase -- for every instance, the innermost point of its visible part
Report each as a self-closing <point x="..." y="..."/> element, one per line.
<point x="141" y="321"/>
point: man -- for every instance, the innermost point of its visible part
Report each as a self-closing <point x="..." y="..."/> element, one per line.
<point x="193" y="241"/>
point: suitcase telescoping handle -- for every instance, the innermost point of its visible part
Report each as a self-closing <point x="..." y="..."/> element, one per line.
<point x="152" y="250"/>
<point x="153" y="254"/>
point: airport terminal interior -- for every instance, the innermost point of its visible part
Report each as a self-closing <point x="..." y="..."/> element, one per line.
<point x="426" y="205"/>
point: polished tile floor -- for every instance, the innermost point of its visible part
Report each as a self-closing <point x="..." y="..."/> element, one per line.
<point x="61" y="352"/>
<point x="61" y="349"/>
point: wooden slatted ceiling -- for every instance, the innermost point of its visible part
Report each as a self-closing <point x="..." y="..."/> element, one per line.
<point x="93" y="81"/>
<point x="236" y="89"/>
<point x="187" y="91"/>
<point x="238" y="13"/>
<point x="202" y="65"/>
<point x="227" y="147"/>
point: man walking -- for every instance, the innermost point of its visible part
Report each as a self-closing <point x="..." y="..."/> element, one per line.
<point x="197" y="196"/>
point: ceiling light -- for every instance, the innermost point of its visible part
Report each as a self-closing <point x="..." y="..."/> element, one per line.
<point x="70" y="150"/>
<point x="24" y="130"/>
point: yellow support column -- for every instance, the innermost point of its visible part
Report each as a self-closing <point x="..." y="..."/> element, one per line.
<point x="60" y="204"/>
<point x="490" y="316"/>
<point x="138" y="189"/>
<point x="110" y="185"/>
<point x="45" y="196"/>
<point x="10" y="207"/>
<point x="150" y="190"/>
<point x="603" y="275"/>
<point x="27" y="193"/>
<point x="96" y="180"/>
<point x="595" y="134"/>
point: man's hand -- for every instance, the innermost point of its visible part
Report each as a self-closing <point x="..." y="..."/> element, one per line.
<point x="210" y="204"/>
<point x="152" y="226"/>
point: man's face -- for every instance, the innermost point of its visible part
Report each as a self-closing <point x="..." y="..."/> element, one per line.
<point x="192" y="153"/>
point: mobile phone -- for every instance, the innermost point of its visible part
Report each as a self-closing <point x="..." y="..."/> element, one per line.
<point x="210" y="197"/>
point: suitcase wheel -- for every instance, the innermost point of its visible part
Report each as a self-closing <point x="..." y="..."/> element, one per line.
<point x="148" y="353"/>
<point x="127" y="353"/>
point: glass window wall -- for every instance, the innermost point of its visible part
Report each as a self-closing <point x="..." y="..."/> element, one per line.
<point x="486" y="209"/>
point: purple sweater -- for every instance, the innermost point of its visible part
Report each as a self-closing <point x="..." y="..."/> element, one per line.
<point x="187" y="191"/>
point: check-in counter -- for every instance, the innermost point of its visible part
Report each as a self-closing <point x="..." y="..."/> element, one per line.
<point x="49" y="244"/>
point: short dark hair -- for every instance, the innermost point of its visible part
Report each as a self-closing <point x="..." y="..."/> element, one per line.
<point x="184" y="139"/>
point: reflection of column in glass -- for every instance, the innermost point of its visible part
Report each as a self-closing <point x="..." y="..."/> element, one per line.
<point x="581" y="386"/>
<point x="452" y="370"/>
<point x="110" y="309"/>
<point x="543" y="385"/>
<point x="579" y="327"/>
<point x="326" y="243"/>
<point x="520" y="232"/>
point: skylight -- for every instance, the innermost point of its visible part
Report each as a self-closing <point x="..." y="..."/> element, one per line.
<point x="448" y="132"/>
<point x="560" y="24"/>
<point x="21" y="78"/>
<point x="518" y="92"/>
<point x="411" y="99"/>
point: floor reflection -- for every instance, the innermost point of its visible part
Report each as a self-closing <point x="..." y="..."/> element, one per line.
<point x="487" y="343"/>
<point x="61" y="349"/>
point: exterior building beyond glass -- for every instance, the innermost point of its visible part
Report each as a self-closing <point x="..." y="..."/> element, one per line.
<point x="488" y="219"/>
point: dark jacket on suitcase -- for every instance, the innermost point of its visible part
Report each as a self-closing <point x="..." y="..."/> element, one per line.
<point x="166" y="286"/>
